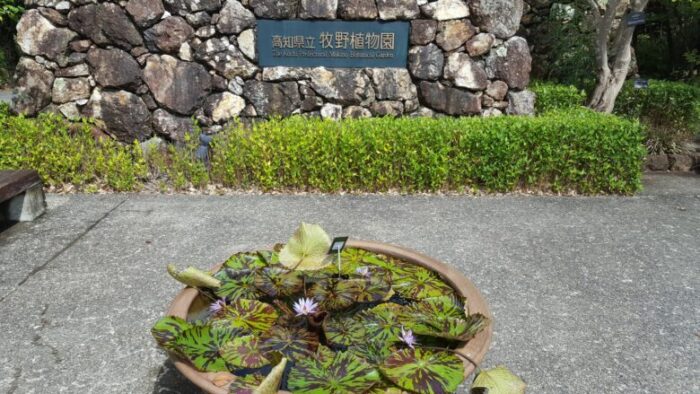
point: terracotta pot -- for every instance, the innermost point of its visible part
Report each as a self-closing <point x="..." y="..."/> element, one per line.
<point x="474" y="350"/>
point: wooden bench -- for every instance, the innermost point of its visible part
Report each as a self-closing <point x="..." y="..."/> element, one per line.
<point x="21" y="195"/>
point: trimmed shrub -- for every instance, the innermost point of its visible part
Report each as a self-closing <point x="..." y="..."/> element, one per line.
<point x="67" y="153"/>
<point x="553" y="96"/>
<point x="569" y="150"/>
<point x="670" y="110"/>
<point x="574" y="150"/>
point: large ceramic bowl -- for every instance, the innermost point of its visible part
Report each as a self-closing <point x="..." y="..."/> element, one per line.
<point x="474" y="350"/>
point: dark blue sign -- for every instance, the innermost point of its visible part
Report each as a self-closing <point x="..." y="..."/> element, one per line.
<point x="297" y="43"/>
<point x="636" y="18"/>
<point x="641" y="84"/>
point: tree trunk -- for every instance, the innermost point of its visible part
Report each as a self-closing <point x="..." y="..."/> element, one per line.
<point x="612" y="59"/>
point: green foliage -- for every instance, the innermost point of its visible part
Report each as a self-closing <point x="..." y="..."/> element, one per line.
<point x="566" y="150"/>
<point x="10" y="10"/>
<point x="567" y="43"/>
<point x="345" y="374"/>
<point x="554" y="96"/>
<point x="670" y="110"/>
<point x="424" y="371"/>
<point x="499" y="380"/>
<point x="202" y="345"/>
<point x="65" y="153"/>
<point x="572" y="149"/>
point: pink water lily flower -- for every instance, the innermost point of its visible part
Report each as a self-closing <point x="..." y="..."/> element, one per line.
<point x="305" y="306"/>
<point x="407" y="338"/>
<point x="218" y="306"/>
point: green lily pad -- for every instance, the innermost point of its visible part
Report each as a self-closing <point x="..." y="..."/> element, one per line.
<point x="415" y="282"/>
<point x="279" y="282"/>
<point x="383" y="323"/>
<point x="270" y="257"/>
<point x="424" y="371"/>
<point x="449" y="327"/>
<point x="374" y="352"/>
<point x="350" y="260"/>
<point x="167" y="329"/>
<point x="245" y="384"/>
<point x="307" y="249"/>
<point x="344" y="330"/>
<point x="345" y="374"/>
<point x="333" y="294"/>
<point x="246" y="261"/>
<point x="374" y="288"/>
<point x="244" y="352"/>
<point x="324" y="355"/>
<point x="201" y="345"/>
<point x="499" y="380"/>
<point x="293" y="342"/>
<point x="193" y="277"/>
<point x="440" y="307"/>
<point x="237" y="284"/>
<point x="386" y="387"/>
<point x="251" y="315"/>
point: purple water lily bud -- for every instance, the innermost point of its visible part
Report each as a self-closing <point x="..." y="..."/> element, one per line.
<point x="364" y="271"/>
<point x="407" y="338"/>
<point x="305" y="306"/>
<point x="217" y="306"/>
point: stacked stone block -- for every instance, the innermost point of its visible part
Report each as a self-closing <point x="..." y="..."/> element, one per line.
<point x="148" y="67"/>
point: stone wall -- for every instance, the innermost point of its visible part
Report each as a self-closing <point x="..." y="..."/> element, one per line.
<point x="149" y="67"/>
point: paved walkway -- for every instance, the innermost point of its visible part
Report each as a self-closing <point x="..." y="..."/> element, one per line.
<point x="590" y="295"/>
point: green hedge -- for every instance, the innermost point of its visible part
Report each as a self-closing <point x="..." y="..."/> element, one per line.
<point x="665" y="102"/>
<point x="574" y="150"/>
<point x="670" y="110"/>
<point x="65" y="153"/>
<point x="553" y="96"/>
<point x="561" y="151"/>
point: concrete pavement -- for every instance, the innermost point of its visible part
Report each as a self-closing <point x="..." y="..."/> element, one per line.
<point x="590" y="294"/>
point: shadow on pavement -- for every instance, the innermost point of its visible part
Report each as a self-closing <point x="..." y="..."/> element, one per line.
<point x="170" y="380"/>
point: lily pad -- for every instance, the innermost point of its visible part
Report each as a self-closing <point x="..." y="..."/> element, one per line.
<point x="344" y="330"/>
<point x="237" y="284"/>
<point x="333" y="294"/>
<point x="270" y="257"/>
<point x="374" y="352"/>
<point x="245" y="384"/>
<point x="449" y="327"/>
<point x="324" y="355"/>
<point x="293" y="342"/>
<point x="417" y="283"/>
<point x="383" y="323"/>
<point x="246" y="261"/>
<point x="201" y="345"/>
<point x="374" y="288"/>
<point x="424" y="371"/>
<point x="307" y="249"/>
<point x="167" y="329"/>
<point x="251" y="315"/>
<point x="442" y="306"/>
<point x="278" y="282"/>
<point x="244" y="352"/>
<point x="193" y="277"/>
<point x="499" y="380"/>
<point x="345" y="374"/>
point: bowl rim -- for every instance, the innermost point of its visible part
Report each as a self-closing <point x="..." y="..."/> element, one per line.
<point x="472" y="352"/>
